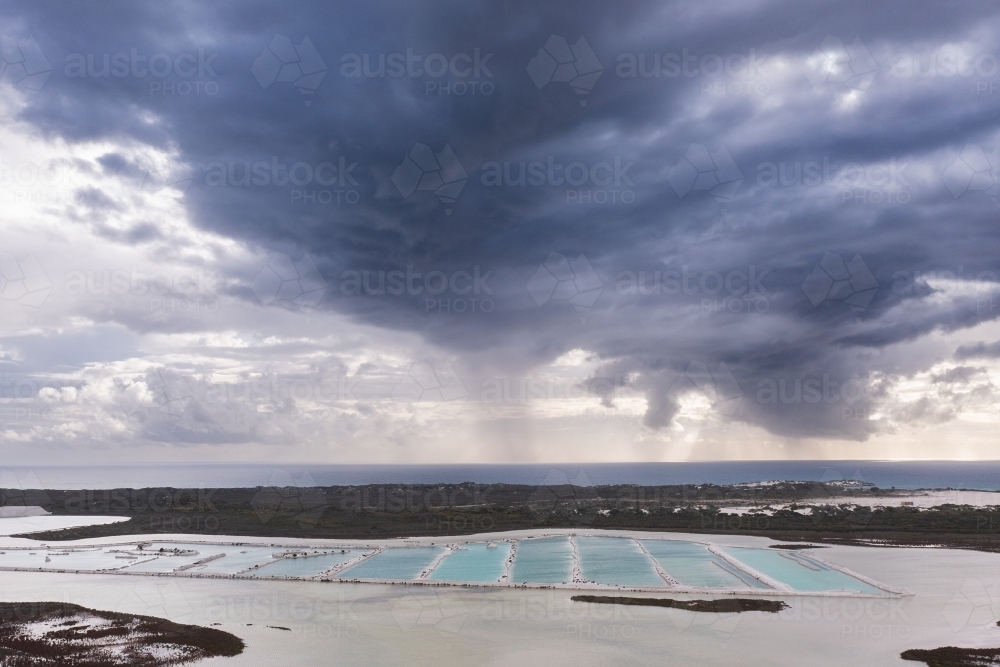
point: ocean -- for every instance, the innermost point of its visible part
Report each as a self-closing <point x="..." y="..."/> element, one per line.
<point x="974" y="475"/>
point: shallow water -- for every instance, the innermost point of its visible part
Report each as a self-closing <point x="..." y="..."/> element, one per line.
<point x="692" y="564"/>
<point x="369" y="625"/>
<point x="168" y="563"/>
<point x="91" y="559"/>
<point x="305" y="567"/>
<point x="237" y="561"/>
<point x="543" y="561"/>
<point x="616" y="562"/>
<point x="397" y="563"/>
<point x="777" y="565"/>
<point x="476" y="562"/>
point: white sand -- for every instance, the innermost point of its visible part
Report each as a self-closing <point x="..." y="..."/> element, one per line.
<point x="34" y="524"/>
<point x="923" y="499"/>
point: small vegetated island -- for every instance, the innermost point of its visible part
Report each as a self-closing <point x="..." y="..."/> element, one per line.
<point x="37" y="634"/>
<point x="722" y="606"/>
<point x="952" y="656"/>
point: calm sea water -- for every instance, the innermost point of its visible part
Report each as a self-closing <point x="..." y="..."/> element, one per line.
<point x="979" y="475"/>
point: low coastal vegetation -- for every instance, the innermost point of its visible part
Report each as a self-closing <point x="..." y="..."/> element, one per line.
<point x="788" y="511"/>
<point x="40" y="634"/>
<point x="796" y="547"/>
<point x="720" y="606"/>
<point x="951" y="656"/>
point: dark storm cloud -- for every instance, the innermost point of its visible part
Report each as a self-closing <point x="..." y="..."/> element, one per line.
<point x="818" y="257"/>
<point x="979" y="350"/>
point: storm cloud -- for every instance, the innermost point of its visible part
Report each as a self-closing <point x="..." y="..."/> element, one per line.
<point x="661" y="230"/>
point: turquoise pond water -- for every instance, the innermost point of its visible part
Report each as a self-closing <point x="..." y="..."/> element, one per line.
<point x="476" y="562"/>
<point x="613" y="561"/>
<point x="397" y="563"/>
<point x="305" y="567"/>
<point x="789" y="569"/>
<point x="616" y="562"/>
<point x="693" y="564"/>
<point x="543" y="561"/>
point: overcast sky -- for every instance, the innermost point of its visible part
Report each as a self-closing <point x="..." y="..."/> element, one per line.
<point x="498" y="232"/>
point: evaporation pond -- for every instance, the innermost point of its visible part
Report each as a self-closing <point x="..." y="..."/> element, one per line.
<point x="306" y="566"/>
<point x="473" y="562"/>
<point x="395" y="563"/>
<point x="616" y="561"/>
<point x="236" y="560"/>
<point x="692" y="564"/>
<point x="72" y="558"/>
<point x="154" y="560"/>
<point x="544" y="561"/>
<point x="799" y="571"/>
